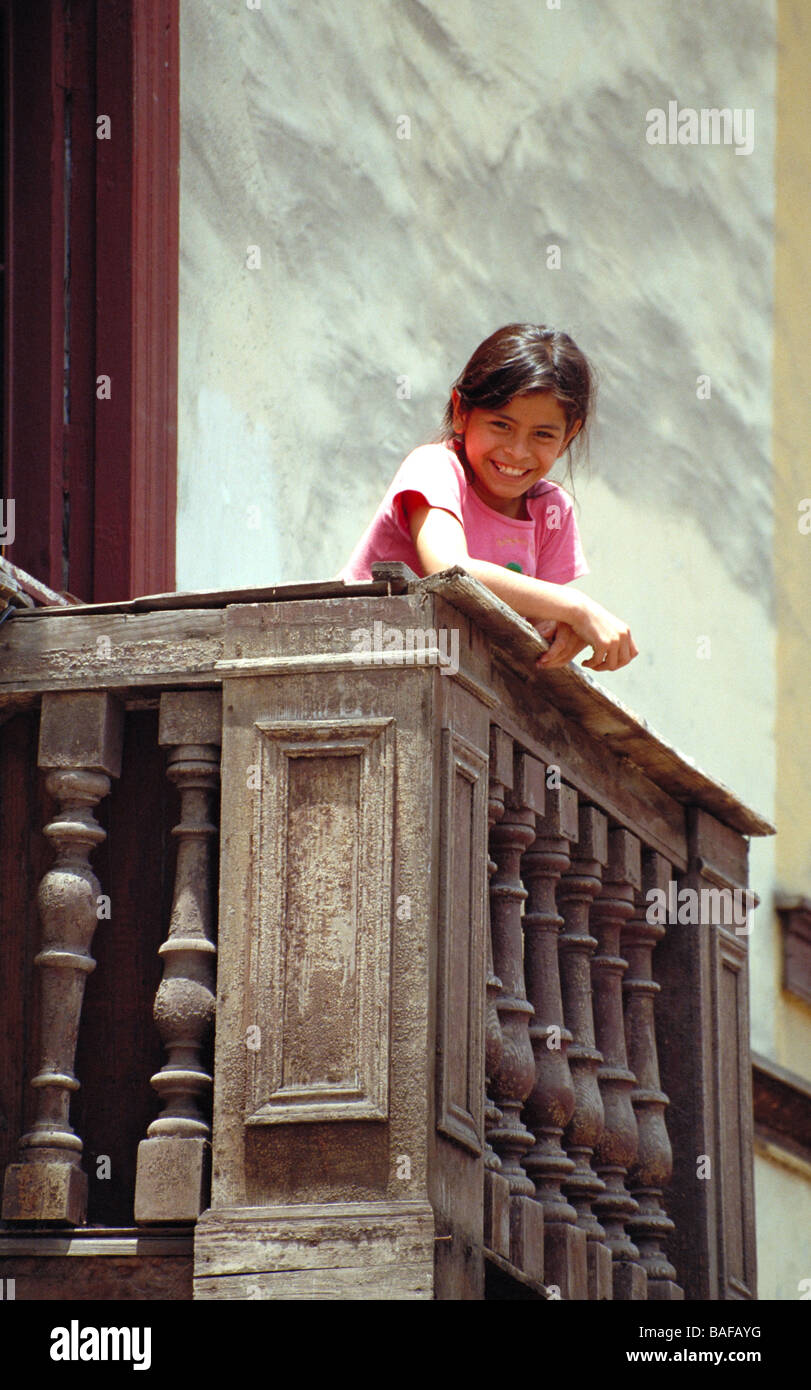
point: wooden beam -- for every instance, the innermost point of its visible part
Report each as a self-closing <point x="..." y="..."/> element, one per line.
<point x="137" y="192"/>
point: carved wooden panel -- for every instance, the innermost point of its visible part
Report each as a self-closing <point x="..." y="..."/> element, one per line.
<point x="736" y="1249"/>
<point x="320" y="872"/>
<point x="461" y="945"/>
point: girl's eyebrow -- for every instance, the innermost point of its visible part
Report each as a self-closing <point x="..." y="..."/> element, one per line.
<point x="504" y="416"/>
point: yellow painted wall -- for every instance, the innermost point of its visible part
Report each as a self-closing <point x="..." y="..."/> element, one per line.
<point x="783" y="1206"/>
<point x="783" y="1183"/>
<point x="792" y="482"/>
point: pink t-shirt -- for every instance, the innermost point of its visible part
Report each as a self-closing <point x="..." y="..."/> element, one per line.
<point x="546" y="547"/>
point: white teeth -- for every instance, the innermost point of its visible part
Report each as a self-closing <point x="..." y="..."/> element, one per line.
<point x="511" y="472"/>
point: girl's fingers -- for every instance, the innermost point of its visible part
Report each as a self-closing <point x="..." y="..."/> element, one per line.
<point x="551" y="657"/>
<point x="614" y="657"/>
<point x="627" y="649"/>
<point x="565" y="646"/>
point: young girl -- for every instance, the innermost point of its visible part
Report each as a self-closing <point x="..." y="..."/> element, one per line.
<point x="478" y="497"/>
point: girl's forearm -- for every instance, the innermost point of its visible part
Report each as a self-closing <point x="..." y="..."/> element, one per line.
<point x="534" y="599"/>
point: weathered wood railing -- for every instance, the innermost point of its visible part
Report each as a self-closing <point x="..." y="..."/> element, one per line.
<point x="438" y="1071"/>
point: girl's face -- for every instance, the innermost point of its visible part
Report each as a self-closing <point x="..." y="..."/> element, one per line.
<point x="512" y="448"/>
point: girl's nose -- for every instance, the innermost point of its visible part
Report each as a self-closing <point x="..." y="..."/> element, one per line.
<point x="518" y="451"/>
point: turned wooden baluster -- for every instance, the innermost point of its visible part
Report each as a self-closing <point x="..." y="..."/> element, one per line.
<point x="577" y="889"/>
<point x="515" y="1075"/>
<point x="494" y="1041"/>
<point x="80" y="742"/>
<point x="616" y="1148"/>
<point x="173" y="1161"/>
<point x="551" y="1101"/>
<point x="653" y="1167"/>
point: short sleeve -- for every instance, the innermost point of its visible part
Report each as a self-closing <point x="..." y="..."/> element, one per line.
<point x="560" y="555"/>
<point x="433" y="471"/>
<point x="430" y="471"/>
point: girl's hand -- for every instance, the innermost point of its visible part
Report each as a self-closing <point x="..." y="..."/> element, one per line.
<point x="610" y="637"/>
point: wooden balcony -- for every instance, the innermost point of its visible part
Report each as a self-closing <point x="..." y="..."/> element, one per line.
<point x="436" y="1071"/>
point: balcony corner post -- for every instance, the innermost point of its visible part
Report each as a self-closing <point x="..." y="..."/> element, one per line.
<point x="322" y="1128"/>
<point x="702" y="967"/>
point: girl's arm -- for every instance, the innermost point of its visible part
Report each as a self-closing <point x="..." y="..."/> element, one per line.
<point x="440" y="542"/>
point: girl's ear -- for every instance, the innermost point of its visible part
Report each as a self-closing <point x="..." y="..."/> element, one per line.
<point x="459" y="414"/>
<point x="576" y="428"/>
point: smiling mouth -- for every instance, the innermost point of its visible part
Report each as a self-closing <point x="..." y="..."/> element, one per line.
<point x="507" y="471"/>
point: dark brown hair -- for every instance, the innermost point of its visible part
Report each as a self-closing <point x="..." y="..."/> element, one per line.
<point x="519" y="360"/>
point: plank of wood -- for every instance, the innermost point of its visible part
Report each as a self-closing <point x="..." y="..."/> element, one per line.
<point x="403" y="1282"/>
<point x="112" y="650"/>
<point x="219" y="598"/>
<point x="14" y="589"/>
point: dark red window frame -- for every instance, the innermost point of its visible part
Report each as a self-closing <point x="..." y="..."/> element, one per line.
<point x="91" y="283"/>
